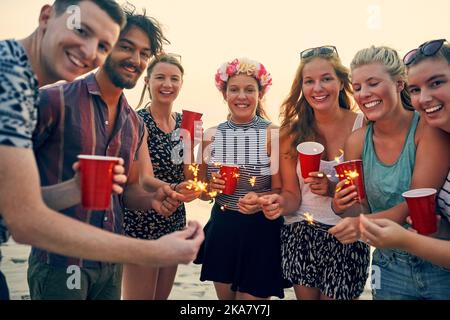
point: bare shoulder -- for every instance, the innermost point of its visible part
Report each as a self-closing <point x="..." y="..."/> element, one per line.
<point x="354" y="144"/>
<point x="431" y="136"/>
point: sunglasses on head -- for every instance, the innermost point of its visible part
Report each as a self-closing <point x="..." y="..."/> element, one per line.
<point x="427" y="49"/>
<point x="318" y="51"/>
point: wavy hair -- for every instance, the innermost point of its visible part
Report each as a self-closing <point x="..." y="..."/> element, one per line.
<point x="297" y="115"/>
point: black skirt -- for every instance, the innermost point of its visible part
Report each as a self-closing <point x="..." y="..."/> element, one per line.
<point x="244" y="251"/>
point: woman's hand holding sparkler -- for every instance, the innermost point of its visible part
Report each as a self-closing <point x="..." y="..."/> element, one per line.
<point x="272" y="205"/>
<point x="189" y="190"/>
<point x="347" y="230"/>
<point x="249" y="203"/>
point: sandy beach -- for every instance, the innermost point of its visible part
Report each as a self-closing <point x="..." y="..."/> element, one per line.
<point x="187" y="284"/>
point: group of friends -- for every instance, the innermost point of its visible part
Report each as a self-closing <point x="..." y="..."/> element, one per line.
<point x="258" y="240"/>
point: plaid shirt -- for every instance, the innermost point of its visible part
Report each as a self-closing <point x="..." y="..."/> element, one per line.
<point x="73" y="120"/>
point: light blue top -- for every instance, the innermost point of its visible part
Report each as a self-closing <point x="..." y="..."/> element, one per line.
<point x="385" y="184"/>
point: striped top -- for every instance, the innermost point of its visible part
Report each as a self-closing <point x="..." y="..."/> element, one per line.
<point x="73" y="120"/>
<point x="443" y="199"/>
<point x="244" y="145"/>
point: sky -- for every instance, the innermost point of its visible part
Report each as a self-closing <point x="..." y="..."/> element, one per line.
<point x="207" y="33"/>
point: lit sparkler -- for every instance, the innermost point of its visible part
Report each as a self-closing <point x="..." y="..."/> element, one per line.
<point x="252" y="181"/>
<point x="309" y="218"/>
<point x="196" y="184"/>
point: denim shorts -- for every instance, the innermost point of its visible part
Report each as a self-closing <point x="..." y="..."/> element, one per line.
<point x="402" y="276"/>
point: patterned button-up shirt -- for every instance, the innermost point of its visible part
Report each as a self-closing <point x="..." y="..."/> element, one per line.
<point x="73" y="120"/>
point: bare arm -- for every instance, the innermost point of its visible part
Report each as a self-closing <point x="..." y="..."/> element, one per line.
<point x="62" y="195"/>
<point x="145" y="168"/>
<point x="202" y="159"/>
<point x="31" y="222"/>
<point x="67" y="194"/>
<point x="384" y="233"/>
<point x="430" y="168"/>
<point x="289" y="200"/>
<point x="288" y="169"/>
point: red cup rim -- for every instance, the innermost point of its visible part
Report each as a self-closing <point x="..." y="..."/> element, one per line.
<point x="183" y="110"/>
<point x="310" y="144"/>
<point x="96" y="157"/>
<point x="418" y="193"/>
<point x="230" y="165"/>
<point x="348" y="161"/>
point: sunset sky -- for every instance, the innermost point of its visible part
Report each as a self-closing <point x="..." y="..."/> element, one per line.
<point x="209" y="32"/>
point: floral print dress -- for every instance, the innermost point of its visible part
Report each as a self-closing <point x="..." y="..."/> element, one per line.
<point x="166" y="154"/>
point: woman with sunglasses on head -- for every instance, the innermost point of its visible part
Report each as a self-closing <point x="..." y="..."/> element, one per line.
<point x="241" y="251"/>
<point x="428" y="69"/>
<point x="318" y="109"/>
<point x="399" y="153"/>
<point x="163" y="82"/>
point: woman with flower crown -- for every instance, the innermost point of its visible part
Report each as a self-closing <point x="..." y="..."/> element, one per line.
<point x="318" y="109"/>
<point x="241" y="251"/>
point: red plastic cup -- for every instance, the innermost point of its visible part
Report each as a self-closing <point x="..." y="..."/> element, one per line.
<point x="422" y="209"/>
<point x="96" y="177"/>
<point x="229" y="173"/>
<point x="188" y="122"/>
<point x="309" y="154"/>
<point x="353" y="172"/>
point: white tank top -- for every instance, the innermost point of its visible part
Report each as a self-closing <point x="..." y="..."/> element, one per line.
<point x="319" y="206"/>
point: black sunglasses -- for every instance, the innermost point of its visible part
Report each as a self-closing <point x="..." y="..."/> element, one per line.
<point x="427" y="49"/>
<point x="318" y="51"/>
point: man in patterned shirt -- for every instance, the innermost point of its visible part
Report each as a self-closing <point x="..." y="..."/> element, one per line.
<point x="54" y="52"/>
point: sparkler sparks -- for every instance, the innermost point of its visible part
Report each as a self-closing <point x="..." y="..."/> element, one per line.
<point x="349" y="176"/>
<point x="309" y="218"/>
<point x="196" y="184"/>
<point x="252" y="181"/>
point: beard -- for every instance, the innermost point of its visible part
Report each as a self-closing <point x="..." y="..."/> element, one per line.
<point x="112" y="70"/>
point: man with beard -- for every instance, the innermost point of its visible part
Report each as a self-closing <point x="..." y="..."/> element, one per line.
<point x="92" y="116"/>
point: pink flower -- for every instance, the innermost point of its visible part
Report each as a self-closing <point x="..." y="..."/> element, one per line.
<point x="243" y="66"/>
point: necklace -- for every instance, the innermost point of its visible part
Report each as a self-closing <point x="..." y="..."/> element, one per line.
<point x="171" y="126"/>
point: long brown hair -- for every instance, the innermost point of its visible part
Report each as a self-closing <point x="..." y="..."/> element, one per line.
<point x="162" y="58"/>
<point x="297" y="115"/>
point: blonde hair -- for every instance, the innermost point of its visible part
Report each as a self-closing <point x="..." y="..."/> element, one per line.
<point x="297" y="115"/>
<point x="163" y="58"/>
<point x="390" y="59"/>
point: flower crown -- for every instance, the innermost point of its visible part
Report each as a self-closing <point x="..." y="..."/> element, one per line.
<point x="243" y="66"/>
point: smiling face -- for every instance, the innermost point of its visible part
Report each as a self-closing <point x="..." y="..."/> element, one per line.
<point x="376" y="93"/>
<point x="128" y="59"/>
<point x="320" y="84"/>
<point x="242" y="95"/>
<point x="429" y="87"/>
<point x="67" y="52"/>
<point x="165" y="83"/>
